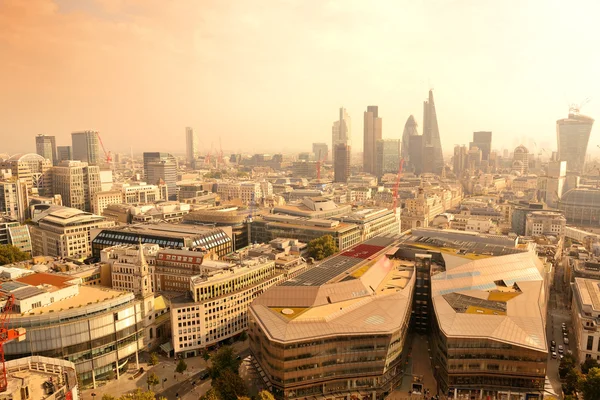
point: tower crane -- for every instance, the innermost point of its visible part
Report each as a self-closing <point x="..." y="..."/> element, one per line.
<point x="395" y="193"/>
<point x="7" y="335"/>
<point x="107" y="154"/>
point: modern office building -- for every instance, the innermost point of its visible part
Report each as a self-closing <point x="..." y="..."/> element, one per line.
<point x="573" y="134"/>
<point x="410" y="129"/>
<point x="76" y="182"/>
<point x="460" y="161"/>
<point x="415" y="148"/>
<point x="177" y="236"/>
<point x="341" y="163"/>
<point x="585" y="313"/>
<point x="483" y="141"/>
<point x="65" y="232"/>
<point x="14" y="199"/>
<point x="64" y="153"/>
<point x="581" y="206"/>
<point x="431" y="135"/>
<point x="45" y="146"/>
<point x="13" y="233"/>
<point x="100" y="330"/>
<point x="32" y="169"/>
<point x="337" y="330"/>
<point x="552" y="185"/>
<point x="86" y="147"/>
<point x="161" y="167"/>
<point x="191" y="147"/>
<point x="372" y="133"/>
<point x="521" y="160"/>
<point x="388" y="157"/>
<point x="101" y="200"/>
<point x="341" y="132"/>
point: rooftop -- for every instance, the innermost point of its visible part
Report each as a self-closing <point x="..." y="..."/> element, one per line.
<point x="589" y="292"/>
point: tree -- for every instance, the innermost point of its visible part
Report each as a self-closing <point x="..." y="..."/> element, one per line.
<point x="264" y="395"/>
<point x="590" y="385"/>
<point x="205" y="355"/>
<point x="139" y="394"/>
<point x="566" y="364"/>
<point x="230" y="386"/>
<point x="107" y="396"/>
<point x="181" y="366"/>
<point x="11" y="254"/>
<point x="210" y="395"/>
<point x="572" y="381"/>
<point x="152" y="380"/>
<point x="588" y="364"/>
<point x="153" y="359"/>
<point x="223" y="360"/>
<point x="322" y="247"/>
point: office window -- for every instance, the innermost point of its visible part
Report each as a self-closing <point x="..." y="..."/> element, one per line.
<point x="590" y="342"/>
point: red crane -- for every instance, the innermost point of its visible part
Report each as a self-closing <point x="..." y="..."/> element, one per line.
<point x="106" y="153"/>
<point x="395" y="194"/>
<point x="6" y="335"/>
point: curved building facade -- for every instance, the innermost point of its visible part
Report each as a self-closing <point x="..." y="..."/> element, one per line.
<point x="581" y="206"/>
<point x="410" y="129"/>
<point x="573" y="134"/>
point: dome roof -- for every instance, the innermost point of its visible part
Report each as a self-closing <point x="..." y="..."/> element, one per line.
<point x="521" y="149"/>
<point x="26" y="157"/>
<point x="581" y="197"/>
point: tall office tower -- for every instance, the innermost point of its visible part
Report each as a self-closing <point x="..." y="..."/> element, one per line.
<point x="76" y="182"/>
<point x="483" y="140"/>
<point x="320" y="151"/>
<point x="460" y="159"/>
<point x="14" y="199"/>
<point x="341" y="165"/>
<point x="86" y="147"/>
<point x="415" y="151"/>
<point x="431" y="135"/>
<point x="521" y="160"/>
<point x="191" y="147"/>
<point x="45" y="146"/>
<point x="160" y="166"/>
<point x="573" y="134"/>
<point x="341" y="131"/>
<point x="372" y="133"/>
<point x="64" y="153"/>
<point x="410" y="129"/>
<point x="388" y="156"/>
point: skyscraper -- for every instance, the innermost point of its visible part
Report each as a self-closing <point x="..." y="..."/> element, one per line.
<point x="161" y="166"/>
<point x="460" y="159"/>
<point x="45" y="146"/>
<point x="483" y="140"/>
<point x="76" y="182"/>
<point x="388" y="156"/>
<point x="410" y="129"/>
<point x="86" y="147"/>
<point x="415" y="149"/>
<point x="320" y="151"/>
<point x="372" y="133"/>
<point x="341" y="165"/>
<point x="341" y="131"/>
<point x="573" y="134"/>
<point x="191" y="149"/>
<point x="64" y="153"/>
<point x="431" y="134"/>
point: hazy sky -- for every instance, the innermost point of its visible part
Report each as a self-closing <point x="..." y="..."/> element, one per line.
<point x="270" y="75"/>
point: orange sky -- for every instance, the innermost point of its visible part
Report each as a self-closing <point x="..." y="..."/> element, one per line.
<point x="269" y="75"/>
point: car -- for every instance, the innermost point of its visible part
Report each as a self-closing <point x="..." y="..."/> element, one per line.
<point x="566" y="340"/>
<point x="561" y="349"/>
<point x="553" y="354"/>
<point x="203" y="375"/>
<point x="553" y="343"/>
<point x="552" y="348"/>
<point x="564" y="329"/>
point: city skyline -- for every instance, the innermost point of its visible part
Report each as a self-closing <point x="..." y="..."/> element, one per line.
<point x="134" y="88"/>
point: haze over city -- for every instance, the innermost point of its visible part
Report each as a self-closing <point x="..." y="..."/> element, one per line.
<point x="270" y="76"/>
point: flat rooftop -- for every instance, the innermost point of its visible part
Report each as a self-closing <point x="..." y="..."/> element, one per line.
<point x="87" y="295"/>
<point x="589" y="292"/>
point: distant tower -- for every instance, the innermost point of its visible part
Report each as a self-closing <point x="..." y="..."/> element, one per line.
<point x="521" y="160"/>
<point x="341" y="131"/>
<point x="45" y="146"/>
<point x="372" y="133"/>
<point x="190" y="147"/>
<point x="86" y="147"/>
<point x="341" y="165"/>
<point x="431" y="135"/>
<point x="144" y="271"/>
<point x="573" y="134"/>
<point x="410" y="129"/>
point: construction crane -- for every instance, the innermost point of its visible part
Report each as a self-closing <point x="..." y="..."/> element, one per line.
<point x="107" y="154"/>
<point x="395" y="193"/>
<point x="7" y="335"/>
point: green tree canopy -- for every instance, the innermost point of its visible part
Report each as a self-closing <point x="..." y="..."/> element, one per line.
<point x="322" y="247"/>
<point x="590" y="385"/>
<point x="181" y="366"/>
<point x="264" y="395"/>
<point x="107" y="396"/>
<point x="224" y="360"/>
<point x="139" y="394"/>
<point x="153" y="359"/>
<point x="210" y="395"/>
<point x="230" y="386"/>
<point x="11" y="254"/>
<point x="152" y="380"/>
<point x="588" y="364"/>
<point x="572" y="381"/>
<point x="566" y="364"/>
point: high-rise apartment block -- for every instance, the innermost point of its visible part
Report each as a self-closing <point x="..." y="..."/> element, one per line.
<point x="573" y="134"/>
<point x="76" y="182"/>
<point x="161" y="168"/>
<point x="64" y="153"/>
<point x="191" y="147"/>
<point x="45" y="146"/>
<point x="86" y="147"/>
<point x="372" y="133"/>
<point x="341" y="164"/>
<point x="320" y="151"/>
<point x="388" y="156"/>
<point x="431" y="136"/>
